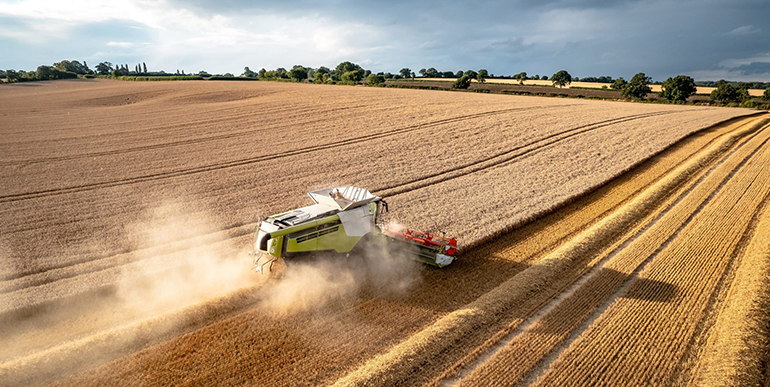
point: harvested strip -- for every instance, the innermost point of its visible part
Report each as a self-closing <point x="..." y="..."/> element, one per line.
<point x="641" y="337"/>
<point x="400" y="360"/>
<point x="528" y="348"/>
<point x="738" y="344"/>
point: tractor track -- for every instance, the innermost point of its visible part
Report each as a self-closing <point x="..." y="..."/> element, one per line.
<point x="49" y="274"/>
<point x="199" y="117"/>
<point x="507" y="156"/>
<point x="569" y="133"/>
<point x="139" y="350"/>
<point x="183" y="125"/>
<point x="257" y="159"/>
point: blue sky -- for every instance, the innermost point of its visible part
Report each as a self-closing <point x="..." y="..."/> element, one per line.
<point x="706" y="39"/>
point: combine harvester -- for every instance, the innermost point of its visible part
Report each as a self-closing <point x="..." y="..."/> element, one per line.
<point x="338" y="221"/>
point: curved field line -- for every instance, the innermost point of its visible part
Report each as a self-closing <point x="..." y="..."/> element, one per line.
<point x="404" y="357"/>
<point x="672" y="167"/>
<point x="705" y="261"/>
<point x="231" y="229"/>
<point x="488" y="162"/>
<point x="203" y="116"/>
<point x="740" y="333"/>
<point x="53" y="278"/>
<point x="46" y="366"/>
<point x="251" y="160"/>
<point x="572" y="130"/>
<point x="481" y="354"/>
<point x="580" y="304"/>
<point x="172" y="143"/>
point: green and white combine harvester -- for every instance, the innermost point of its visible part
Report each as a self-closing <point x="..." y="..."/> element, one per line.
<point x="338" y="221"/>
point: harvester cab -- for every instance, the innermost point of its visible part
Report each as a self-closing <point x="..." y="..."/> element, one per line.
<point x="338" y="219"/>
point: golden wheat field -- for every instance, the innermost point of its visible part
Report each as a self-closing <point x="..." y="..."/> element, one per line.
<point x="589" y="85"/>
<point x="602" y="243"/>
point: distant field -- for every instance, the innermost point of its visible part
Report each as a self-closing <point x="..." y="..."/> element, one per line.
<point x="602" y="241"/>
<point x="592" y="85"/>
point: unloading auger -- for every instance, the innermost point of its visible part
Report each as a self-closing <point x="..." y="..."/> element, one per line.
<point x="338" y="221"/>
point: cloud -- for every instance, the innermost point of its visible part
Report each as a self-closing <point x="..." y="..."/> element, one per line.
<point x="743" y="31"/>
<point x="754" y="68"/>
<point x="586" y="37"/>
<point x="121" y="44"/>
<point x="510" y="45"/>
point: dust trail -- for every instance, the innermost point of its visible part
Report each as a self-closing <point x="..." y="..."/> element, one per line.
<point x="200" y="273"/>
<point x="68" y="335"/>
<point x="312" y="284"/>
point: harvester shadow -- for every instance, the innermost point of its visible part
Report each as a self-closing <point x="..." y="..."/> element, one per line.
<point x="612" y="282"/>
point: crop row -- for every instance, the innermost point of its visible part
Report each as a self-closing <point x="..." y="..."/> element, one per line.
<point x="646" y="336"/>
<point x="740" y="334"/>
<point x="530" y="347"/>
<point x="337" y="338"/>
<point x="576" y="253"/>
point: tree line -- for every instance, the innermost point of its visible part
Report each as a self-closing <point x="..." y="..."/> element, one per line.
<point x="67" y="69"/>
<point x="675" y="89"/>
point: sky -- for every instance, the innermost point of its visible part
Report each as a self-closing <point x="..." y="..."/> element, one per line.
<point x="705" y="39"/>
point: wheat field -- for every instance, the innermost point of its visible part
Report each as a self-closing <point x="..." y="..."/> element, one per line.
<point x="590" y="85"/>
<point x="602" y="243"/>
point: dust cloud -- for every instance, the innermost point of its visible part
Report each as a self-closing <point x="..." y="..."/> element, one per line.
<point x="374" y="268"/>
<point x="181" y="269"/>
<point x="204" y="270"/>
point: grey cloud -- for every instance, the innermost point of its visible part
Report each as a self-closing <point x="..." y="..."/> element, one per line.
<point x="743" y="31"/>
<point x="753" y="68"/>
<point x="588" y="38"/>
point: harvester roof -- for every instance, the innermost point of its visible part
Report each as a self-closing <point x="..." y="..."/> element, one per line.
<point x="328" y="201"/>
<point x="342" y="198"/>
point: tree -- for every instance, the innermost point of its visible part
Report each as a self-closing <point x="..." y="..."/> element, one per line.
<point x="298" y="73"/>
<point x="262" y="73"/>
<point x="536" y="77"/>
<point x="203" y="73"/>
<point x="375" y="80"/>
<point x="422" y="72"/>
<point x="280" y="73"/>
<point x="471" y="74"/>
<point x="619" y="84"/>
<point x="463" y="83"/>
<point x="482" y="76"/>
<point x="521" y="77"/>
<point x="144" y="67"/>
<point x="637" y="87"/>
<point x="766" y="95"/>
<point x="726" y="92"/>
<point x="561" y="78"/>
<point x="459" y="74"/>
<point x="73" y="66"/>
<point x="412" y="75"/>
<point x="44" y="72"/>
<point x="248" y="73"/>
<point x="678" y="88"/>
<point x="351" y="77"/>
<point x="405" y="72"/>
<point x="346" y="67"/>
<point x="544" y="77"/>
<point x="11" y="76"/>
